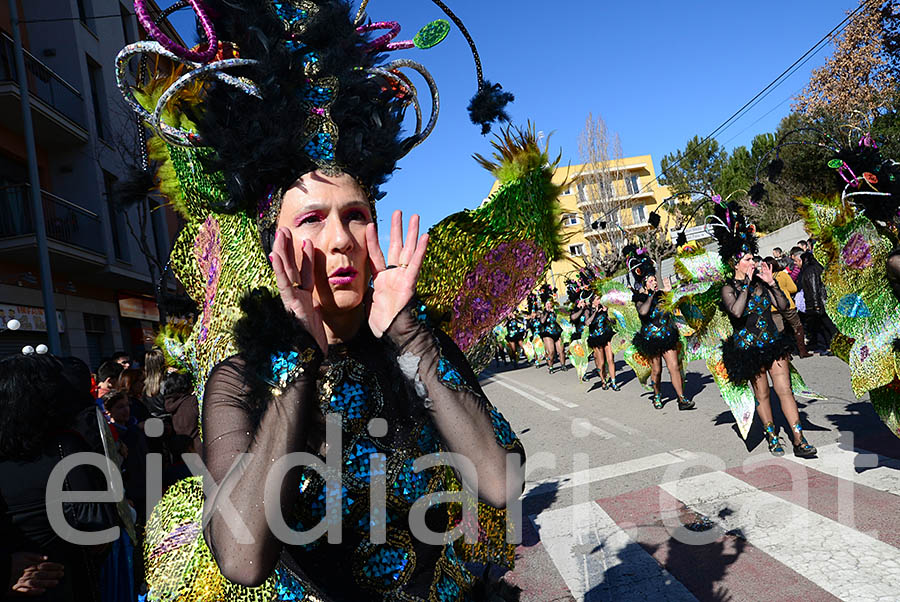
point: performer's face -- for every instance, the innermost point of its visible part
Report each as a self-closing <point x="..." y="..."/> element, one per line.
<point x="331" y="212"/>
<point x="651" y="283"/>
<point x="746" y="265"/>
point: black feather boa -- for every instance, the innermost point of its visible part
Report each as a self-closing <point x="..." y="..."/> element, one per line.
<point x="266" y="327"/>
<point x="600" y="340"/>
<point x="744" y="364"/>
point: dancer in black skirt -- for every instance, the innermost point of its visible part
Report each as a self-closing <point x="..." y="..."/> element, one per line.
<point x="600" y="334"/>
<point x="551" y="331"/>
<point x="657" y="340"/>
<point x="515" y="333"/>
<point x="756" y="350"/>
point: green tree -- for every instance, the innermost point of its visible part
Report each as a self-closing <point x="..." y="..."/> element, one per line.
<point x="698" y="167"/>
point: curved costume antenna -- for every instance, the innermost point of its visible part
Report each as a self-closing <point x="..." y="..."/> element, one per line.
<point x="150" y="26"/>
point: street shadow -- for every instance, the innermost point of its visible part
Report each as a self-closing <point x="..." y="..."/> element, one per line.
<point x="698" y="555"/>
<point x="860" y="428"/>
<point x="536" y="501"/>
<point x="695" y="383"/>
<point x="756" y="435"/>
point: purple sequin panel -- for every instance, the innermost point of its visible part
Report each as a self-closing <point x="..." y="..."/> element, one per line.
<point x="208" y="252"/>
<point x="499" y="282"/>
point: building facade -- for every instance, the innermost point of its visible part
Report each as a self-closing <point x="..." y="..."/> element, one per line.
<point x="604" y="207"/>
<point x="85" y="138"/>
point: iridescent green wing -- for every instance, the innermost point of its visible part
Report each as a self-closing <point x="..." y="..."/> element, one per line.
<point x="481" y="264"/>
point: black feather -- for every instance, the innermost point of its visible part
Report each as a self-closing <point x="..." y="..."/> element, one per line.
<point x="774" y="169"/>
<point x="681" y="239"/>
<point x="489" y="105"/>
<point x="757" y="193"/>
<point x="134" y="188"/>
<point x="653" y="219"/>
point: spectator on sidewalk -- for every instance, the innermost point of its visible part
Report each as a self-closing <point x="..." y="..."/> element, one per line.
<point x="796" y="263"/>
<point x="107" y="376"/>
<point x="777" y="253"/>
<point x="818" y="324"/>
<point x="790" y="316"/>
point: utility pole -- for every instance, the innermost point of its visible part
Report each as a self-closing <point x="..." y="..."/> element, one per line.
<point x="37" y="209"/>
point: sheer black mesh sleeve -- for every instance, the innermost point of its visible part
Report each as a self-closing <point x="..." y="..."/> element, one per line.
<point x="467" y="422"/>
<point x="230" y="429"/>
<point x="735" y="303"/>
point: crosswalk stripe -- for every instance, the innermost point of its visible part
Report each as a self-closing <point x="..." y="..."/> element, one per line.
<point x="527" y="395"/>
<point x="559" y="400"/>
<point x="611" y="471"/>
<point x="599" y="561"/>
<point x="839" y="559"/>
<point x="857" y="465"/>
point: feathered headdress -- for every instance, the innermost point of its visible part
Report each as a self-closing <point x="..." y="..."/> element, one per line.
<point x="735" y="235"/>
<point x="639" y="263"/>
<point x="284" y="87"/>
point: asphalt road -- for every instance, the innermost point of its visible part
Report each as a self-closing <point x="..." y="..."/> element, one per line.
<point x="612" y="483"/>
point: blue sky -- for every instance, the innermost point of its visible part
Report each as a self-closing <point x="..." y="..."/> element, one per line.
<point x="657" y="72"/>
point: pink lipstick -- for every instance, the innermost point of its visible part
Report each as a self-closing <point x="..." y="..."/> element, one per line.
<point x="342" y="276"/>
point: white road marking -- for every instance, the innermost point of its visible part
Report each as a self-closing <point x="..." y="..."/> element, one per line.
<point x="527" y="395"/>
<point x="599" y="561"/>
<point x="581" y="427"/>
<point x="611" y="471"/>
<point x="837" y="558"/>
<point x="558" y="400"/>
<point x="621" y="427"/>
<point x="857" y="465"/>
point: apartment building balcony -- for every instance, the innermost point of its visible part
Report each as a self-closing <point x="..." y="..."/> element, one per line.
<point x="58" y="112"/>
<point x="75" y="234"/>
<point x="620" y="196"/>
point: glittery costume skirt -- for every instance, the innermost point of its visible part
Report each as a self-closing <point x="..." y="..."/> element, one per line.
<point x="744" y="363"/>
<point x="552" y="331"/>
<point x="601" y="339"/>
<point x="515" y="336"/>
<point x="651" y="342"/>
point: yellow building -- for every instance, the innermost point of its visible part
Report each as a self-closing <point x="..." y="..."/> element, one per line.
<point x="604" y="207"/>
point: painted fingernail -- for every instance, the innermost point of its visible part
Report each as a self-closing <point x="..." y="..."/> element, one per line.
<point x="270" y="258"/>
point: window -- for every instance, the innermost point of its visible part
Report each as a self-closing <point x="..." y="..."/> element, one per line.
<point x="570" y="219"/>
<point x="86" y="15"/>
<point x="637" y="215"/>
<point x="95" y="331"/>
<point x="576" y="250"/>
<point x="98" y="97"/>
<point x="116" y="218"/>
<point x="632" y="184"/>
<point x="127" y="25"/>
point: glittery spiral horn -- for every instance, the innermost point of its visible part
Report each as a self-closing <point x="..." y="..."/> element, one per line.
<point x="172" y="134"/>
<point x="392" y="71"/>
<point x="384" y="43"/>
<point x="150" y="26"/>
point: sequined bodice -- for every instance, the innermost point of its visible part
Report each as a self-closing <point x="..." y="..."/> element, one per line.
<point x="360" y="385"/>
<point x="755" y="328"/>
<point x="579" y="324"/>
<point x="514" y="327"/>
<point x="600" y="325"/>
<point x="657" y="323"/>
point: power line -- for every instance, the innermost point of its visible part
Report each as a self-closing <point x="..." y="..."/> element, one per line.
<point x="758" y="97"/>
<point x="115" y="16"/>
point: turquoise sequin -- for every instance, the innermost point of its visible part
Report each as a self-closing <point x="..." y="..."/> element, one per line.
<point x="287" y="587"/>
<point x="320" y="147"/>
<point x="385" y="564"/>
<point x="449" y="375"/>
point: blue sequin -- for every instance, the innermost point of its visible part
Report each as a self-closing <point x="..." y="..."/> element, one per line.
<point x="502" y="430"/>
<point x="289" y="13"/>
<point x="385" y="564"/>
<point x="356" y="462"/>
<point x="318" y="96"/>
<point x="320" y="147"/>
<point x="288" y="587"/>
<point x="449" y="375"/>
<point x="447" y="589"/>
<point x="410" y="485"/>
<point x="349" y="400"/>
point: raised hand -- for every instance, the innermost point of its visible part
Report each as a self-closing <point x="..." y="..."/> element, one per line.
<point x="394" y="282"/>
<point x="295" y="283"/>
<point x="32" y="574"/>
<point x="765" y="273"/>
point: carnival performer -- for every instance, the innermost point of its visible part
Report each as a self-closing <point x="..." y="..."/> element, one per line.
<point x="323" y="349"/>
<point x="658" y="339"/>
<point x="551" y="333"/>
<point x="515" y="334"/>
<point x="600" y="334"/>
<point x="756" y="350"/>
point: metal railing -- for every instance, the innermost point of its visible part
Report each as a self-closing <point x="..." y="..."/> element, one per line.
<point x="65" y="221"/>
<point x="43" y="82"/>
